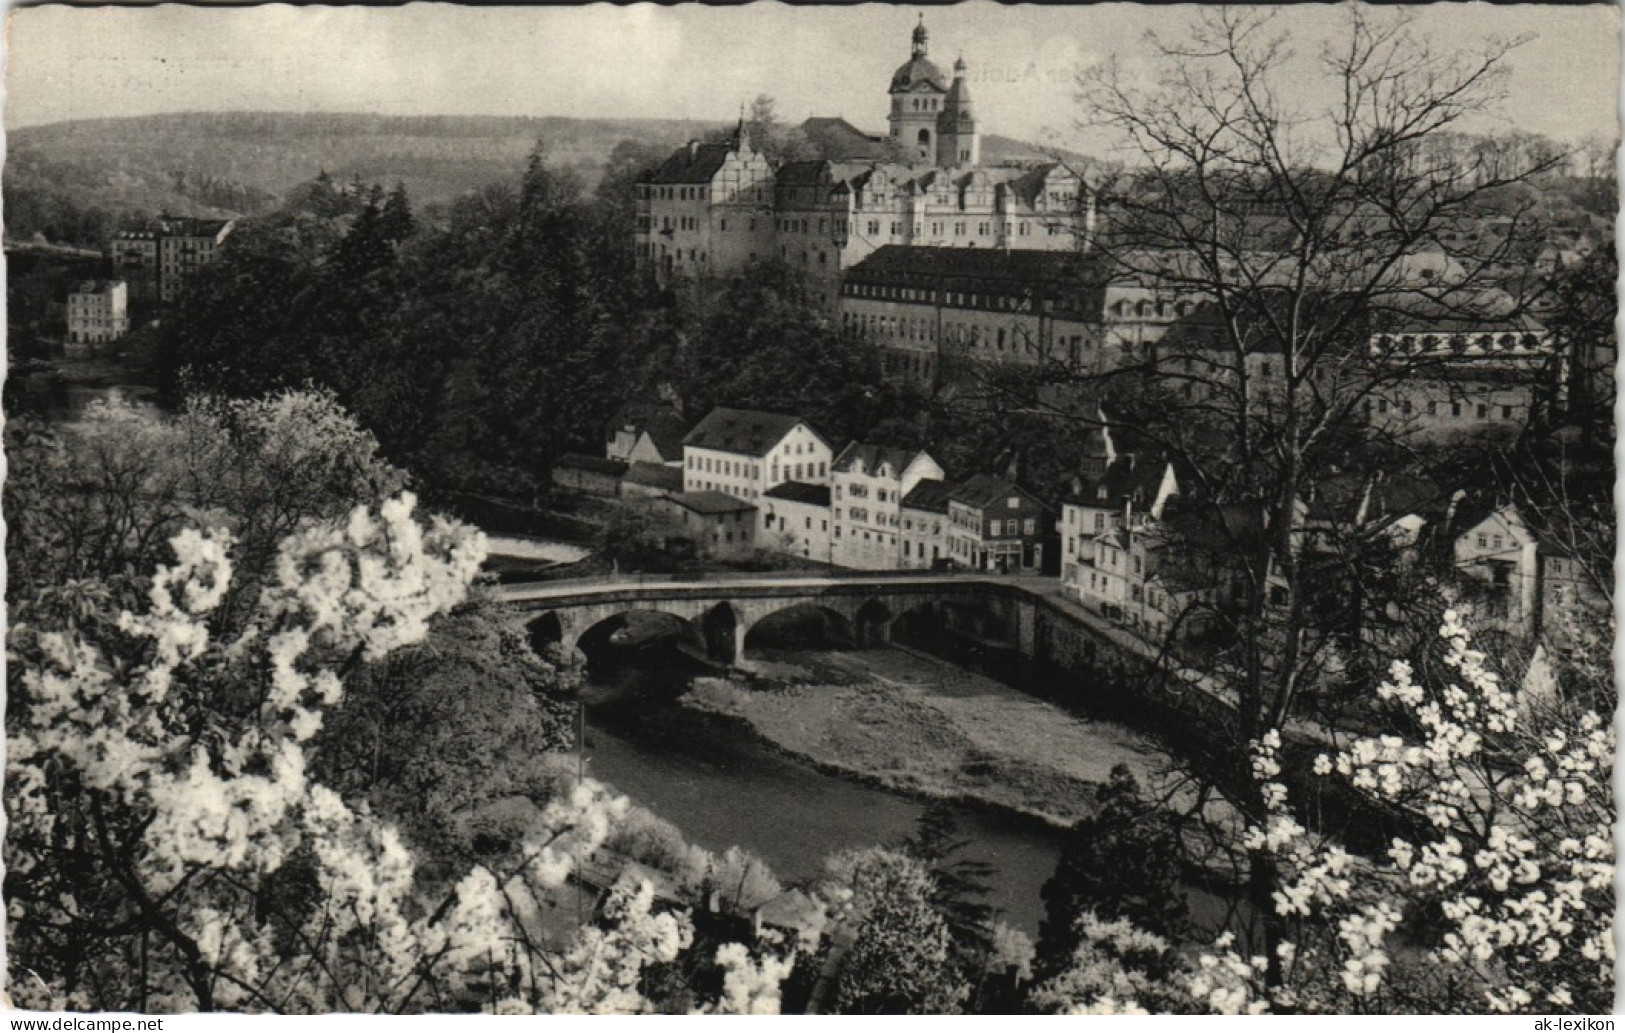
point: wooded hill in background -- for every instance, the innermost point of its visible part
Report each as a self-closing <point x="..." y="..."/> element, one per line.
<point x="244" y="163"/>
<point x="77" y="182"/>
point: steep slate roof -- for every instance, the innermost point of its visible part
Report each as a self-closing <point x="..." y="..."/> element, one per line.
<point x="666" y="432"/>
<point x="96" y="286"/>
<point x="1074" y="282"/>
<point x="654" y="475"/>
<point x="638" y="411"/>
<point x="750" y="432"/>
<point x="1128" y="476"/>
<point x="796" y="491"/>
<point x="1233" y="526"/>
<point x="929" y="495"/>
<point x="984" y="489"/>
<point x="185" y="226"/>
<point x="1477" y="508"/>
<point x="595" y="464"/>
<point x="709" y="503"/>
<point x="872" y="456"/>
<point x="693" y="163"/>
<point x="1453" y="311"/>
<point x="838" y="138"/>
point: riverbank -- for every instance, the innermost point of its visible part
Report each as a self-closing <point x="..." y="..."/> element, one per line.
<point x="919" y="725"/>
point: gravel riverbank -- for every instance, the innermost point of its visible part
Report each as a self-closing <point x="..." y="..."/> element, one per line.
<point x="922" y="726"/>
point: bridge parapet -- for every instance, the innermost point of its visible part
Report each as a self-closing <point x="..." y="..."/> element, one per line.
<point x="723" y="612"/>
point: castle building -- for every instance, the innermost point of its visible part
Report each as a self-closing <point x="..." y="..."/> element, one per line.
<point x="712" y="208"/>
<point x="925" y="307"/>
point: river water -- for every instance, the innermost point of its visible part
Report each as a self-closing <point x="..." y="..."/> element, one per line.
<point x="723" y="786"/>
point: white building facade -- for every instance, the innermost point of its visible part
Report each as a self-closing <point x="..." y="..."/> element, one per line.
<point x="868" y="483"/>
<point x="744" y="452"/>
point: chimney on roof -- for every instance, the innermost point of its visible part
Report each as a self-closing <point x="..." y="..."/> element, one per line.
<point x="693" y="149"/>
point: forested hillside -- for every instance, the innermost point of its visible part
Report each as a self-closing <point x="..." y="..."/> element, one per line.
<point x="77" y="182"/>
<point x="71" y="181"/>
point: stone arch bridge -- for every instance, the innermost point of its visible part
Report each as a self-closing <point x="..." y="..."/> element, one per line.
<point x="717" y="615"/>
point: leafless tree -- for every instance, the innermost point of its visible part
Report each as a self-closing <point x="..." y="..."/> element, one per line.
<point x="1279" y="242"/>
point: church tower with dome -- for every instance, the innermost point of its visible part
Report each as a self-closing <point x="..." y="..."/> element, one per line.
<point x="919" y="94"/>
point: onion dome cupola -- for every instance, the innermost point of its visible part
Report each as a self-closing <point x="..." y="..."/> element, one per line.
<point x="919" y="70"/>
<point x="918" y="90"/>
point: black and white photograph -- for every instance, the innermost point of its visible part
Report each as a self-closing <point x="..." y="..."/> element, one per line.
<point x="956" y="509"/>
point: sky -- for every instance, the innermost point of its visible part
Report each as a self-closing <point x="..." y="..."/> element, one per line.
<point x="700" y="62"/>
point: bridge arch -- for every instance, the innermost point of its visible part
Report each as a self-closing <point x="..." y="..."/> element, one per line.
<point x="801" y="620"/>
<point x="545" y="632"/>
<point x="635" y="626"/>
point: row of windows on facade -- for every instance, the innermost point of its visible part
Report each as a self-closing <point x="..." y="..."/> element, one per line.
<point x="1102" y="521"/>
<point x="727" y="489"/>
<point x="955" y="299"/>
<point x="854" y="514"/>
<point x="767" y="523"/>
<point x="997" y="550"/>
<point x="1417" y="344"/>
<point x="861" y="491"/>
<point x="720" y="519"/>
<point x="1023" y="228"/>
<point x="913" y="363"/>
<point x="1481" y="410"/>
<point x="966" y="334"/>
<point x="1146" y="308"/>
<point x="860" y="515"/>
<point x="837" y="228"/>
<point x="1104" y="550"/>
<point x="909" y="554"/>
<point x="1151" y="595"/>
<point x="675" y="193"/>
<point x="676" y="254"/>
<point x="994" y="528"/>
<point x="753" y="471"/>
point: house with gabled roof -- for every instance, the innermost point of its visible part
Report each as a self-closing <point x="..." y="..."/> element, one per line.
<point x="1129" y="495"/>
<point x="646" y="431"/>
<point x="720" y="526"/>
<point x="744" y="452"/>
<point x="996" y="525"/>
<point x="1495" y="554"/>
<point x="868" y="483"/>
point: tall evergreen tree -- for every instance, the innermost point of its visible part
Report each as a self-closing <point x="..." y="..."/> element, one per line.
<point x="1121" y="863"/>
